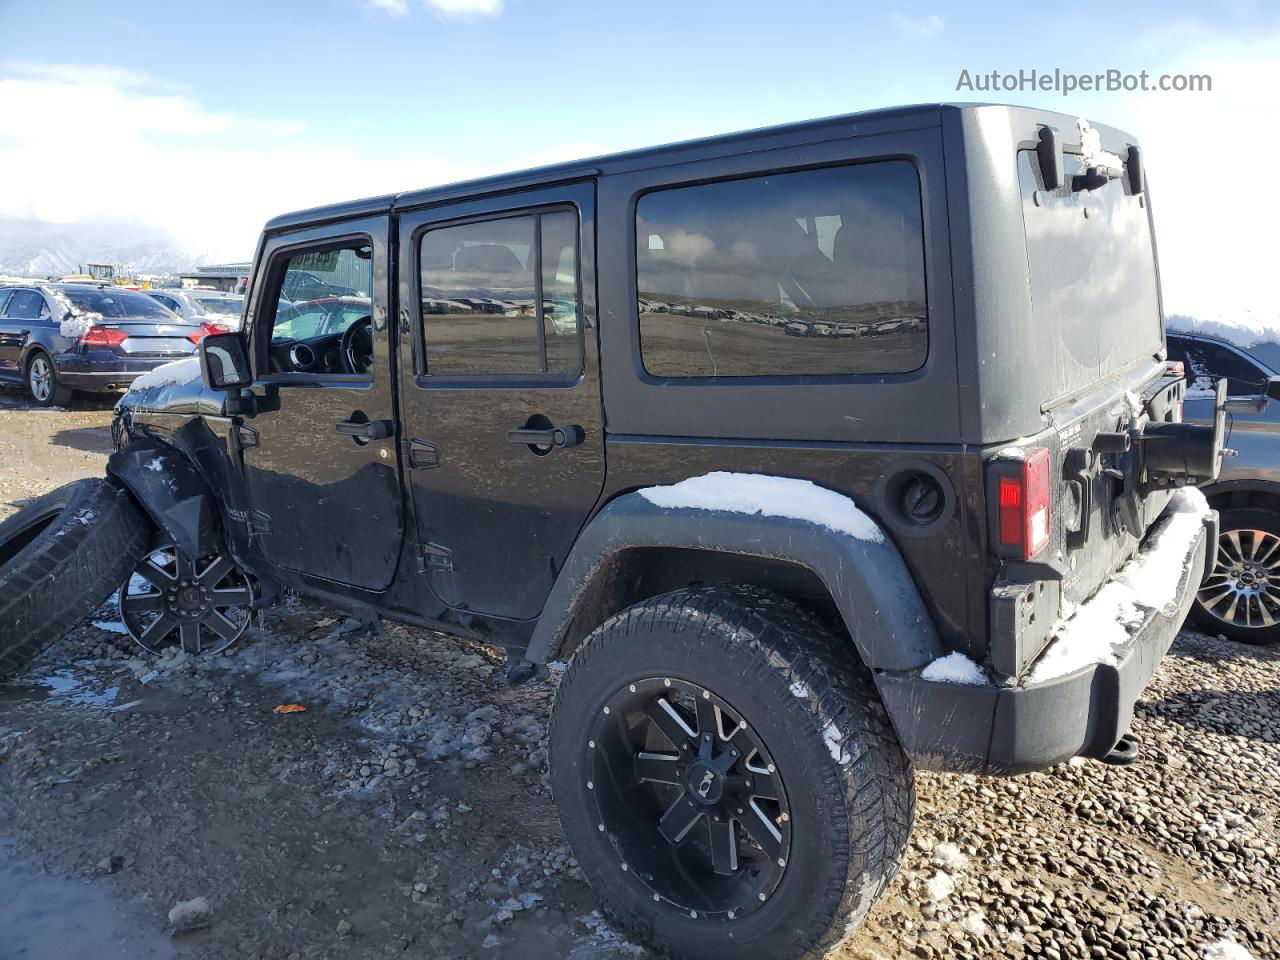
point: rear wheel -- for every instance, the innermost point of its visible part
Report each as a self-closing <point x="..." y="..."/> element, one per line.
<point x="60" y="557"/>
<point x="1240" y="598"/>
<point x="43" y="383"/>
<point x="727" y="776"/>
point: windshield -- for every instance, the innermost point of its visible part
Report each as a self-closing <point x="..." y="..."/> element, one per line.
<point x="1094" y="298"/>
<point x="222" y="306"/>
<point x="301" y="322"/>
<point x="117" y="304"/>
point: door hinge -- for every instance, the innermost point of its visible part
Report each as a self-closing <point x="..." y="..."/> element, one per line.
<point x="421" y="455"/>
<point x="246" y="437"/>
<point x="432" y="556"/>
<point x="259" y="523"/>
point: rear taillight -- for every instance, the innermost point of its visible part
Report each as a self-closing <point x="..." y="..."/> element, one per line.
<point x="207" y="328"/>
<point x="1023" y="504"/>
<point x="103" y="337"/>
<point x="1174" y="368"/>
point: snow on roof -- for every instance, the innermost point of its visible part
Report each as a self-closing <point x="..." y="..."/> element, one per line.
<point x="1244" y="330"/>
<point x="758" y="494"/>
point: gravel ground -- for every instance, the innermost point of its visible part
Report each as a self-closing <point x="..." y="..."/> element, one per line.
<point x="406" y="812"/>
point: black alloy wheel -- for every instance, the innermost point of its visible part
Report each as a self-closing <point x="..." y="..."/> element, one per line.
<point x="171" y="601"/>
<point x="690" y="797"/>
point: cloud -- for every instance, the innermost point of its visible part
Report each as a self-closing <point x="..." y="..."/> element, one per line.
<point x="466" y="8"/>
<point x="394" y="8"/>
<point x="84" y="144"/>
<point x="920" y="28"/>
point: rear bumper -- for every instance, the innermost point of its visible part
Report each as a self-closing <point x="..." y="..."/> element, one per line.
<point x="1005" y="730"/>
<point x="92" y="374"/>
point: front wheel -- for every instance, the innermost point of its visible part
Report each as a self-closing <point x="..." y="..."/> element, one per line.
<point x="727" y="776"/>
<point x="1240" y="598"/>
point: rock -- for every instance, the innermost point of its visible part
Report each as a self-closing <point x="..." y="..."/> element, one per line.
<point x="344" y="927"/>
<point x="188" y="915"/>
<point x="112" y="864"/>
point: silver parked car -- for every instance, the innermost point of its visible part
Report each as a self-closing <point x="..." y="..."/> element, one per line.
<point x="202" y="306"/>
<point x="1240" y="598"/>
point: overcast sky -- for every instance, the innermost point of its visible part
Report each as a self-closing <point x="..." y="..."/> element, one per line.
<point x="207" y="119"/>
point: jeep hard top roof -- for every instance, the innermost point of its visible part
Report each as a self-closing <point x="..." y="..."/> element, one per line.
<point x="863" y="123"/>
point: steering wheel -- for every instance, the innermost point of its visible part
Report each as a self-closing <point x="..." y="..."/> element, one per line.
<point x="357" y="346"/>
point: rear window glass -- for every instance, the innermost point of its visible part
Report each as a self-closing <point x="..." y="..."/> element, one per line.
<point x="117" y="304"/>
<point x="222" y="306"/>
<point x="1094" y="300"/>
<point x="811" y="273"/>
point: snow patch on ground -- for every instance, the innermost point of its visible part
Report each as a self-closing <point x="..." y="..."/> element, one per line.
<point x="112" y="626"/>
<point x="1148" y="582"/>
<point x="1226" y="949"/>
<point x="950" y="856"/>
<point x="954" y="668"/>
<point x="758" y="494"/>
<point x="940" y="886"/>
<point x="801" y="690"/>
<point x="832" y="737"/>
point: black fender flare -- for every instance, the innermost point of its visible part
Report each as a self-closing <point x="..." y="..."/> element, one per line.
<point x="172" y="492"/>
<point x="867" y="578"/>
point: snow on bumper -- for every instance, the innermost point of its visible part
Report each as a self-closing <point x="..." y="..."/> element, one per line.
<point x="1078" y="698"/>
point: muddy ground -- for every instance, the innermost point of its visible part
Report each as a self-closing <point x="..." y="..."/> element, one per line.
<point x="405" y="811"/>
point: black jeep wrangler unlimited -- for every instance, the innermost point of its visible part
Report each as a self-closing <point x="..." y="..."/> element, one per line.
<point x="818" y="453"/>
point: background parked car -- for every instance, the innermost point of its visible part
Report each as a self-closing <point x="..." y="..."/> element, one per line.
<point x="203" y="306"/>
<point x="60" y="337"/>
<point x="1241" y="597"/>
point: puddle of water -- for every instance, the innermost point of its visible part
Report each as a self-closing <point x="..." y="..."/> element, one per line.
<point x="66" y="686"/>
<point x="52" y="918"/>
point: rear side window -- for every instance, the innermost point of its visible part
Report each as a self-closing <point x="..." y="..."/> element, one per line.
<point x="500" y="297"/>
<point x="26" y="305"/>
<point x="811" y="273"/>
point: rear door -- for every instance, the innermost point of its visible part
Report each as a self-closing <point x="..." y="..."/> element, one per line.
<point x="325" y="503"/>
<point x="504" y="434"/>
<point x="18" y="319"/>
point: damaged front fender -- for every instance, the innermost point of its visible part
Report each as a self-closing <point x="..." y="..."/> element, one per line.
<point x="172" y="492"/>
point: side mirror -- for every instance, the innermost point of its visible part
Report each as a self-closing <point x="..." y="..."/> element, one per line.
<point x="1272" y="389"/>
<point x="224" y="362"/>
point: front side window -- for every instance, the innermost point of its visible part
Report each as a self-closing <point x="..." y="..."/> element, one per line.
<point x="1208" y="362"/>
<point x="500" y="297"/>
<point x="811" y="273"/>
<point x="322" y="321"/>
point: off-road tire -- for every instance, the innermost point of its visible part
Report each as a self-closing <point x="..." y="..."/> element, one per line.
<point x="60" y="556"/>
<point x="850" y="786"/>
<point x="1242" y="519"/>
<point x="58" y="394"/>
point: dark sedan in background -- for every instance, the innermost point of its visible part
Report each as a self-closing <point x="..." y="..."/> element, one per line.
<point x="61" y="337"/>
<point x="1240" y="596"/>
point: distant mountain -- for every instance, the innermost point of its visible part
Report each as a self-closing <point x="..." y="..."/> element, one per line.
<point x="33" y="248"/>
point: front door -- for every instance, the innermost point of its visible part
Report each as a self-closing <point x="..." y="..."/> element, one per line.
<point x="319" y="460"/>
<point x="503" y="430"/>
<point x="24" y="311"/>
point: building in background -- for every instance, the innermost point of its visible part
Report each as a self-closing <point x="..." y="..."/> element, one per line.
<point x="230" y="277"/>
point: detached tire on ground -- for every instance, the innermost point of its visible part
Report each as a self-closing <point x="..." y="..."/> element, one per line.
<point x="60" y="556"/>
<point x="727" y="776"/>
<point x="1240" y="596"/>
